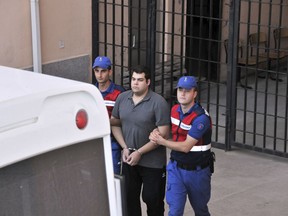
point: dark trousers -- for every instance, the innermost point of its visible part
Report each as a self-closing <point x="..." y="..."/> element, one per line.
<point x="153" y="181"/>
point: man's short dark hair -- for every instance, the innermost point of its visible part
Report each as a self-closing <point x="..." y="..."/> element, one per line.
<point x="142" y="69"/>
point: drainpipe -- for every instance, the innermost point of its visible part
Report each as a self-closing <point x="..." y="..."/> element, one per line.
<point x="36" y="43"/>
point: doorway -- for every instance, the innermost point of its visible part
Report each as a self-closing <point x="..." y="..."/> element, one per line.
<point x="203" y="34"/>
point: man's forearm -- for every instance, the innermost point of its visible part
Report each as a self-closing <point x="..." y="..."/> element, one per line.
<point x="118" y="135"/>
<point x="150" y="146"/>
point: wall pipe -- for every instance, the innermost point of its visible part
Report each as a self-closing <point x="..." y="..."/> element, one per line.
<point x="36" y="43"/>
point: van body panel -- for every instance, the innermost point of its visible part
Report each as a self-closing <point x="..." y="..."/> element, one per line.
<point x="43" y="149"/>
<point x="43" y="108"/>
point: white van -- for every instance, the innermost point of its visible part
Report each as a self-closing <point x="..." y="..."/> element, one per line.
<point x="55" y="151"/>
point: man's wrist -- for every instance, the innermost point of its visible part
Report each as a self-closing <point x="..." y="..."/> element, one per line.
<point x="138" y="150"/>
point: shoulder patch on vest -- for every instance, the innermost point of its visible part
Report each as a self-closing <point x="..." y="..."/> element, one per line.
<point x="200" y="126"/>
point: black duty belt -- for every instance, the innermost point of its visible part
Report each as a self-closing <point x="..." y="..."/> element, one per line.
<point x="190" y="167"/>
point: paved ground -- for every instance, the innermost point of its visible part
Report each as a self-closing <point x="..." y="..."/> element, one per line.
<point x="247" y="183"/>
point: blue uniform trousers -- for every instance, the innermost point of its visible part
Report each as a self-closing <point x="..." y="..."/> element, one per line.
<point x="195" y="183"/>
<point x="116" y="156"/>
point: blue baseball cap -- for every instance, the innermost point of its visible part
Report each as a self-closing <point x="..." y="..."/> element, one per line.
<point x="187" y="82"/>
<point x="102" y="62"/>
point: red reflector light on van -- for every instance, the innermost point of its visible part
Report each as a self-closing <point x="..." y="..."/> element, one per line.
<point x="81" y="119"/>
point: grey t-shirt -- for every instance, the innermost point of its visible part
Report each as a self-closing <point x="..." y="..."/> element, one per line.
<point x="138" y="121"/>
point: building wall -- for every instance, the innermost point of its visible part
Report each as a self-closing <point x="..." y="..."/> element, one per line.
<point x="65" y="29"/>
<point x="66" y="33"/>
<point x="15" y="37"/>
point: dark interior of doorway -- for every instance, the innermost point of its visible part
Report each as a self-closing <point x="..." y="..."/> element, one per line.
<point x="202" y="34"/>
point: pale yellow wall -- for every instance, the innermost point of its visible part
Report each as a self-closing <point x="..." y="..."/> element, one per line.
<point x="15" y="34"/>
<point x="67" y="21"/>
<point x="60" y="20"/>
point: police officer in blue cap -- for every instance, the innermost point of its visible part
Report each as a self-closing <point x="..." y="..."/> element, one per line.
<point x="191" y="162"/>
<point x="110" y="91"/>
